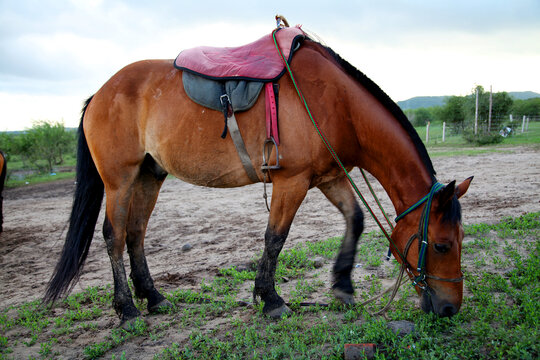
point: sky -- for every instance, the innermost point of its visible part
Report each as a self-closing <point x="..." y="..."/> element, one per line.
<point x="56" y="53"/>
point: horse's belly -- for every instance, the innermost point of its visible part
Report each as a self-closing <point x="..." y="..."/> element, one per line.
<point x="213" y="163"/>
<point x="217" y="176"/>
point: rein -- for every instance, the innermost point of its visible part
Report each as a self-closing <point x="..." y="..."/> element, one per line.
<point x="417" y="280"/>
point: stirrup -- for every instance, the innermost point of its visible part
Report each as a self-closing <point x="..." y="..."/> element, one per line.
<point x="265" y="166"/>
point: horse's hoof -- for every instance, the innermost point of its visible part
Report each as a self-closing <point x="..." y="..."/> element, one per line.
<point x="162" y="307"/>
<point x="279" y="312"/>
<point x="343" y="297"/>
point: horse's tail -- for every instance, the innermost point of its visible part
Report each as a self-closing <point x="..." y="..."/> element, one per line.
<point x="82" y="222"/>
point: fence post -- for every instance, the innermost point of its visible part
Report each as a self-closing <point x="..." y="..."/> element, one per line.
<point x="490" y="106"/>
<point x="427" y="132"/>
<point x="443" y="130"/>
<point x="523" y="124"/>
<point x="476" y="114"/>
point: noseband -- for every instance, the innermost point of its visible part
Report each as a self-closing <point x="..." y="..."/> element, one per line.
<point x="422" y="236"/>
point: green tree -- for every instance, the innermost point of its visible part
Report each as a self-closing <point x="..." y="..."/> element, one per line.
<point x="7" y="144"/>
<point x="46" y="142"/>
<point x="453" y="113"/>
<point x="501" y="105"/>
<point x="421" y="117"/>
<point x="529" y="107"/>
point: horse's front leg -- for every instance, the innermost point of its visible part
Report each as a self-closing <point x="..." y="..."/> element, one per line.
<point x="287" y="195"/>
<point x="340" y="193"/>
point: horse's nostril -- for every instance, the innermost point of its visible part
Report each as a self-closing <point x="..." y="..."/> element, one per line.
<point x="448" y="310"/>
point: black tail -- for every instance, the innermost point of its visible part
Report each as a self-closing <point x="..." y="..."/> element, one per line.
<point x="84" y="214"/>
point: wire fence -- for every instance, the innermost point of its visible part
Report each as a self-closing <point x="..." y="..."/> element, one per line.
<point x="504" y="126"/>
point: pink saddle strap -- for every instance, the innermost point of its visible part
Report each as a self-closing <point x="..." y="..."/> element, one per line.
<point x="271" y="113"/>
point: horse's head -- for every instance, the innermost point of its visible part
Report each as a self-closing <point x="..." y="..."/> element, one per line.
<point x="433" y="252"/>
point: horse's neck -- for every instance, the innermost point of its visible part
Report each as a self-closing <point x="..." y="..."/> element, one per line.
<point x="388" y="153"/>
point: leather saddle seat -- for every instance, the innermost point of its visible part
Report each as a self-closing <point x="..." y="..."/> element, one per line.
<point x="257" y="61"/>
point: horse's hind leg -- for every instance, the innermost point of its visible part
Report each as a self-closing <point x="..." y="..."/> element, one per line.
<point x="286" y="199"/>
<point x="129" y="205"/>
<point x="340" y="193"/>
<point x="114" y="232"/>
<point x="145" y="193"/>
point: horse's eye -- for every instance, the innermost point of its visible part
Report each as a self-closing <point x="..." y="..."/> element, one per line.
<point x="441" y="248"/>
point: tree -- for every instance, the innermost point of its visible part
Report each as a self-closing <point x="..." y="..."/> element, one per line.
<point x="501" y="105"/>
<point x="7" y="144"/>
<point x="421" y="117"/>
<point x="46" y="141"/>
<point x="453" y="113"/>
<point x="529" y="107"/>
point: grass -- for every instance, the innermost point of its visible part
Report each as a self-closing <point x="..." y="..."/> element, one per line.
<point x="498" y="319"/>
<point x="455" y="145"/>
<point x="22" y="174"/>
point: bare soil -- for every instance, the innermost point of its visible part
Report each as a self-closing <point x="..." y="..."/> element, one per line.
<point x="225" y="227"/>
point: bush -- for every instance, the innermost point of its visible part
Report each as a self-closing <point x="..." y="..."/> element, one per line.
<point x="483" y="138"/>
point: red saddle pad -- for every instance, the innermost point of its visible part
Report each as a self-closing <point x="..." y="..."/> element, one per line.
<point x="258" y="60"/>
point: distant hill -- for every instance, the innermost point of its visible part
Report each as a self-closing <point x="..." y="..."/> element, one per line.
<point x="429" y="101"/>
<point x="523" y="95"/>
<point x="421" y="102"/>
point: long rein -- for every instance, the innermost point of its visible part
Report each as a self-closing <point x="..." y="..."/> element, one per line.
<point x="417" y="280"/>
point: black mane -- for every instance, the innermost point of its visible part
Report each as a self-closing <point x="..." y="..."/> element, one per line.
<point x="389" y="104"/>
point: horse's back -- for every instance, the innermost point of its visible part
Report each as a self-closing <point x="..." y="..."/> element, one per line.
<point x="143" y="109"/>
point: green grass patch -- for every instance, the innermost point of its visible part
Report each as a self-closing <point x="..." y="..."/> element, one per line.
<point x="39" y="179"/>
<point x="498" y="319"/>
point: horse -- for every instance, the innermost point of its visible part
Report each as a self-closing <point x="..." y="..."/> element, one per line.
<point x="141" y="126"/>
<point x="3" y="173"/>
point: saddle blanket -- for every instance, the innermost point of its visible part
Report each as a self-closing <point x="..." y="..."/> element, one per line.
<point x="257" y="61"/>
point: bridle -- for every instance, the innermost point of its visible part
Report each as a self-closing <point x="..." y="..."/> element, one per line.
<point x="422" y="236"/>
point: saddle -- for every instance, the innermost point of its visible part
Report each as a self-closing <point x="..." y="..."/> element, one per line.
<point x="258" y="61"/>
<point x="230" y="79"/>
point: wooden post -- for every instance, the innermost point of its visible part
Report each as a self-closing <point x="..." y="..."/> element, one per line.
<point x="523" y="124"/>
<point x="427" y="132"/>
<point x="443" y="130"/>
<point x="476" y="114"/>
<point x="490" y="105"/>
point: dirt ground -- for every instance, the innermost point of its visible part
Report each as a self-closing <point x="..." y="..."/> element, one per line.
<point x="225" y="227"/>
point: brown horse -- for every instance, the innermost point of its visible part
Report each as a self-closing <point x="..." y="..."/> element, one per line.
<point x="3" y="173"/>
<point x="141" y="126"/>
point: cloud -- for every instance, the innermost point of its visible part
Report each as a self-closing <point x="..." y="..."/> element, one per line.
<point x="71" y="47"/>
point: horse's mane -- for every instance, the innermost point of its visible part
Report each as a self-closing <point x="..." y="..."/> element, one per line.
<point x="388" y="103"/>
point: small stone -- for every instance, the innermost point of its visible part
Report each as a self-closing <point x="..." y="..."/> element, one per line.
<point x="359" y="351"/>
<point x="401" y="327"/>
<point x="318" y="262"/>
<point x="187" y="247"/>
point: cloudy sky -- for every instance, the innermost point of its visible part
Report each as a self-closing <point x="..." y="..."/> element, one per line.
<point x="56" y="53"/>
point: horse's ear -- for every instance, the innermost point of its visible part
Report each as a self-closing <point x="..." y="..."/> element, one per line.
<point x="446" y="195"/>
<point x="462" y="188"/>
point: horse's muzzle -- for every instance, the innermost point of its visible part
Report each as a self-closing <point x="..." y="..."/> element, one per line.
<point x="431" y="302"/>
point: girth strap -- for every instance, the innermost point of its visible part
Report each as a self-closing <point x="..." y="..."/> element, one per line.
<point x="232" y="126"/>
